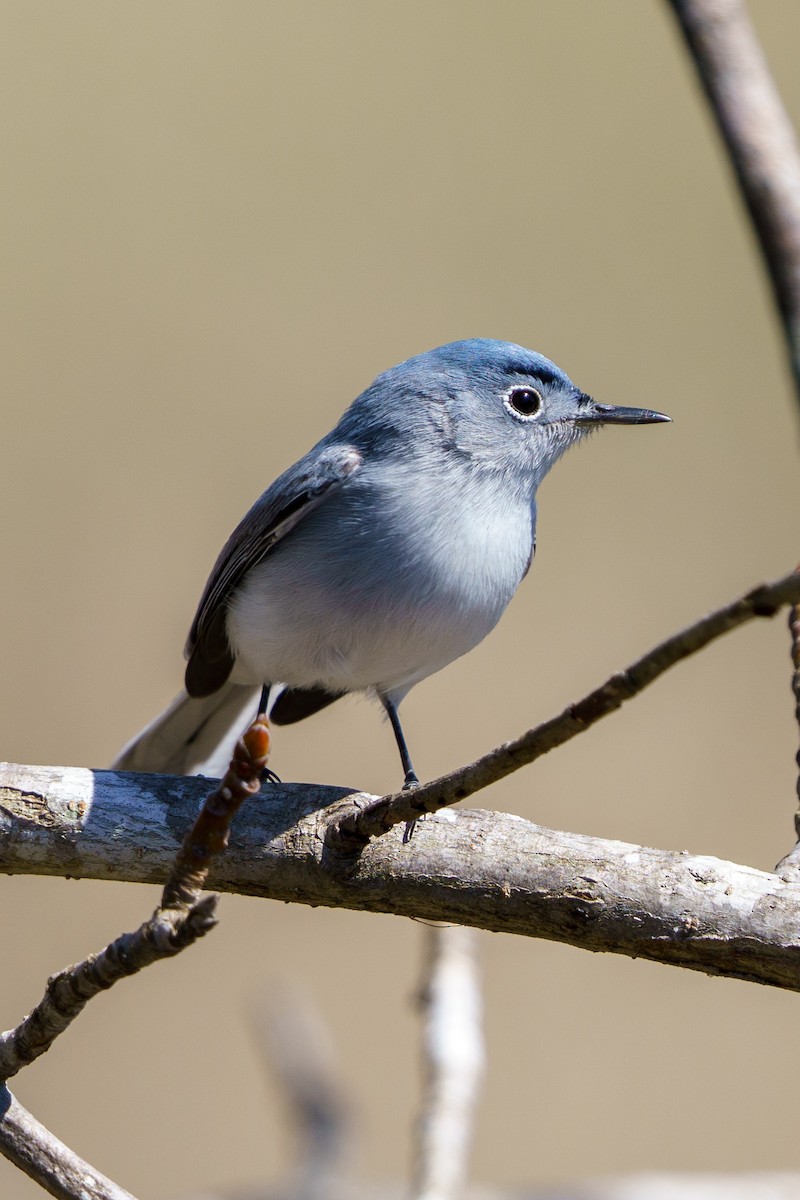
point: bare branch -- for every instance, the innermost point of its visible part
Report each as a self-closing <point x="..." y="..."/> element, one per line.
<point x="181" y="918"/>
<point x="56" y="1168"/>
<point x="208" y="836"/>
<point x="759" y="138"/>
<point x="165" y="934"/>
<point x="375" y="818"/>
<point x="450" y="999"/>
<point x="487" y="869"/>
<point x="792" y="859"/>
<point x="794" y="633"/>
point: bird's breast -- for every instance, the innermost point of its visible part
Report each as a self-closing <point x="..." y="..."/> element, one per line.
<point x="385" y="583"/>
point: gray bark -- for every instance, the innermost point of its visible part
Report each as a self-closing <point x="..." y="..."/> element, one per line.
<point x="490" y="870"/>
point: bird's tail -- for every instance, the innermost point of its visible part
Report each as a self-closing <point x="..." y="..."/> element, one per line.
<point x="192" y="737"/>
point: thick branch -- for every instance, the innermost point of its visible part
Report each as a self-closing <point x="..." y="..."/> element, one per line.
<point x="486" y="869"/>
<point x="407" y="806"/>
<point x="759" y="138"/>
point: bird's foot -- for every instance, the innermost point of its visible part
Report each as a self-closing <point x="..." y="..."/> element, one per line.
<point x="409" y="784"/>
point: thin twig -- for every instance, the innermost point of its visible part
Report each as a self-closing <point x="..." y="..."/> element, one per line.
<point x="792" y="859"/>
<point x="208" y="837"/>
<point x="165" y="934"/>
<point x="182" y="917"/>
<point x="56" y="1168"/>
<point x="453" y="1060"/>
<point x="759" y="138"/>
<point x="374" y="819"/>
<point x="794" y="631"/>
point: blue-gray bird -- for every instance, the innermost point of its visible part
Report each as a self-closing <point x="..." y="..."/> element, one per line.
<point x="388" y="551"/>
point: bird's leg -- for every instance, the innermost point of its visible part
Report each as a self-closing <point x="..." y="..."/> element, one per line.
<point x="267" y="776"/>
<point x="411" y="778"/>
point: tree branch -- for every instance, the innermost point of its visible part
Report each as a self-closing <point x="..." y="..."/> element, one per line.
<point x="407" y="806"/>
<point x="56" y="1168"/>
<point x="181" y="918"/>
<point x="759" y="138"/>
<point x="792" y="859"/>
<point x="487" y="869"/>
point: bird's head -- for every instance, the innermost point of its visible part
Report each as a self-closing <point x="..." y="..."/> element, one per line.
<point x="504" y="407"/>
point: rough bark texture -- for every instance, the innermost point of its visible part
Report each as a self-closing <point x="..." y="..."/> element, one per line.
<point x="491" y="870"/>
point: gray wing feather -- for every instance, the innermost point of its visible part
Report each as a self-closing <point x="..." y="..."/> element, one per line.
<point x="288" y="501"/>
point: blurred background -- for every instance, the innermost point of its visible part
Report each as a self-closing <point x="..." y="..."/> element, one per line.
<point x="221" y="221"/>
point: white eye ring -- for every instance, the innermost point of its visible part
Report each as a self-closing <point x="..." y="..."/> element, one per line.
<point x="523" y="403"/>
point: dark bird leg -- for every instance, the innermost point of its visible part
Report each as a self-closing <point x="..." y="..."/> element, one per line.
<point x="411" y="779"/>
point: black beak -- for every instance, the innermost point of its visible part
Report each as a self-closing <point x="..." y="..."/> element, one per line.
<point x="607" y="414"/>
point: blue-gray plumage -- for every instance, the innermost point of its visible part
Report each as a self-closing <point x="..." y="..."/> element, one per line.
<point x="389" y="550"/>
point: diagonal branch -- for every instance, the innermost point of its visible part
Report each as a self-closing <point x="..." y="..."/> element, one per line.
<point x="759" y="138"/>
<point x="182" y="917"/>
<point x="376" y="818"/>
<point x="56" y="1168"/>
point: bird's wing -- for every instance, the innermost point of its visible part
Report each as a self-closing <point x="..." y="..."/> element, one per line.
<point x="284" y="505"/>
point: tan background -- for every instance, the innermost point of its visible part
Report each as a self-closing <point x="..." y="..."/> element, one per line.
<point x="222" y="221"/>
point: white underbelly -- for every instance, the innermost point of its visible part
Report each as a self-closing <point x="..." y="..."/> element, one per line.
<point x="349" y="605"/>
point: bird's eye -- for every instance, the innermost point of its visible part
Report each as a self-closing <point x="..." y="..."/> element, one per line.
<point x="524" y="401"/>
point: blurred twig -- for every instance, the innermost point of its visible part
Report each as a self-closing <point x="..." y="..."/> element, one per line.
<point x="296" y="1045"/>
<point x="452" y="1043"/>
<point x="760" y="140"/>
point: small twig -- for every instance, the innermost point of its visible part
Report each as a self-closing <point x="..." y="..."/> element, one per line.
<point x="165" y="934"/>
<point x="375" y="818"/>
<point x="181" y="918"/>
<point x="760" y="141"/>
<point x="453" y="1060"/>
<point x="56" y="1168"/>
<point x="792" y="859"/>
<point x="208" y="836"/>
<point x="794" y="630"/>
